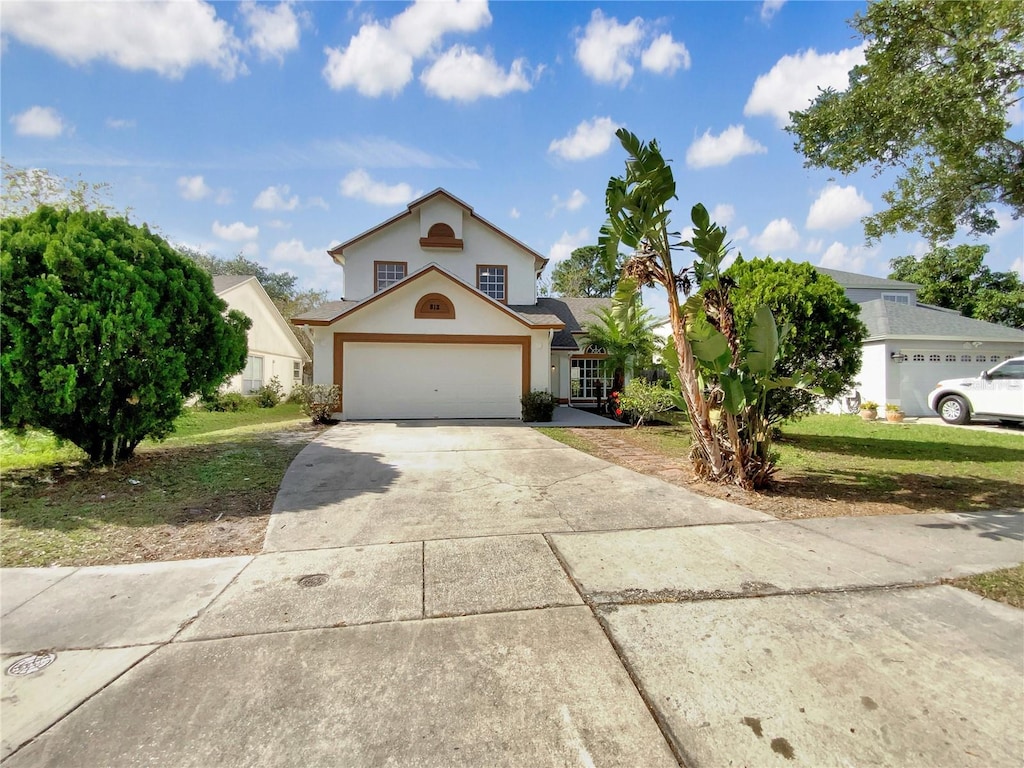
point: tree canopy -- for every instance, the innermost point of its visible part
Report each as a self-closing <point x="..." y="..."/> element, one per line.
<point x="586" y="273"/>
<point x="829" y="332"/>
<point x="932" y="101"/>
<point x="957" y="278"/>
<point x="106" y="330"/>
<point x="25" y="189"/>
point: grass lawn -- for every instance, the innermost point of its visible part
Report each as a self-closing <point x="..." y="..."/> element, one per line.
<point x="206" y="491"/>
<point x="842" y="465"/>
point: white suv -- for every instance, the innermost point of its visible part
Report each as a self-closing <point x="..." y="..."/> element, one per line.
<point x="998" y="392"/>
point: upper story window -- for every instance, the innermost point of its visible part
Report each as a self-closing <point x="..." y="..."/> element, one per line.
<point x="897" y="298"/>
<point x="492" y="279"/>
<point x="387" y="273"/>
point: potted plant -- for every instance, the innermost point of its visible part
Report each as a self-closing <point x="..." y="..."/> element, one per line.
<point x="869" y="410"/>
<point x="893" y="412"/>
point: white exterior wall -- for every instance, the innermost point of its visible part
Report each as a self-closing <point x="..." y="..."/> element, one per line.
<point x="268" y="337"/>
<point x="401" y="242"/>
<point x="873" y="374"/>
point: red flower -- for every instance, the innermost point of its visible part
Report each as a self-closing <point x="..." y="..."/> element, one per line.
<point x="615" y="395"/>
<point x="618" y="411"/>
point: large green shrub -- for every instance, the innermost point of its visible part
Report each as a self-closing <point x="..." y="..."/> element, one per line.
<point x="106" y="330"/>
<point x="269" y="394"/>
<point x="825" y="344"/>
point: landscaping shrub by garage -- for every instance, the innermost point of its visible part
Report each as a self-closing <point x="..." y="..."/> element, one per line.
<point x="538" y="405"/>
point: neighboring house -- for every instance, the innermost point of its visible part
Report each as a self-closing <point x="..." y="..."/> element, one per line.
<point x="444" y="322"/>
<point x="273" y="348"/>
<point x="911" y="346"/>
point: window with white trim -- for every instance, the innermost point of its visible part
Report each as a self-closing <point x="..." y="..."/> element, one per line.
<point x="252" y="376"/>
<point x="492" y="281"/>
<point x="934" y="358"/>
<point x="897" y="298"/>
<point x="918" y="358"/>
<point x="589" y="378"/>
<point x="388" y="273"/>
<point x="296" y="370"/>
<point x="950" y="358"/>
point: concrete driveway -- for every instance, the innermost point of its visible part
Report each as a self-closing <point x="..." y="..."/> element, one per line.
<point x="477" y="595"/>
<point x="381" y="483"/>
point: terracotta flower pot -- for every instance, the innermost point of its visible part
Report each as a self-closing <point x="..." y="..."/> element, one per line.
<point x="894" y="416"/>
<point x="869" y="414"/>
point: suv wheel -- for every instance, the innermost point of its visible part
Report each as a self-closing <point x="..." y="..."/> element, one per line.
<point x="954" y="410"/>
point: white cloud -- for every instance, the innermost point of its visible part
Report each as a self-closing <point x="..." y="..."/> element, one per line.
<point x="588" y="139"/>
<point x="379" y="57"/>
<point x="567" y="243"/>
<point x="276" y="199"/>
<point x="741" y="234"/>
<point x="794" y="82"/>
<point x="514" y="213"/>
<point x="273" y="31"/>
<point x="574" y="202"/>
<point x="278" y="224"/>
<point x="317" y="202"/>
<point x="604" y="49"/>
<point x="224" y="197"/>
<point x="359" y="185"/>
<point x="119" y="123"/>
<point x="319" y="270"/>
<point x="731" y="143"/>
<point x="166" y="38"/>
<point x="814" y="246"/>
<point x="779" y="235"/>
<point x="838" y="256"/>
<point x="193" y="187"/>
<point x="836" y="207"/>
<point x="769" y="8"/>
<point x="723" y="214"/>
<point x="665" y="55"/>
<point x="462" y="74"/>
<point x="41" y="122"/>
<point x="236" y="233"/>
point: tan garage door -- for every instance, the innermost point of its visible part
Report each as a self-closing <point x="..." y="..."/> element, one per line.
<point x="431" y="381"/>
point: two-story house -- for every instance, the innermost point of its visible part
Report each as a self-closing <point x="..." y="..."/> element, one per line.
<point x="442" y="320"/>
<point x="911" y="346"/>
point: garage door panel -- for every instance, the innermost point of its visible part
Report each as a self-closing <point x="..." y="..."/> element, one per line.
<point x="926" y="367"/>
<point x="428" y="381"/>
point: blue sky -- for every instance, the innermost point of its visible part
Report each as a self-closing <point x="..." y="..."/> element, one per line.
<point x="277" y="130"/>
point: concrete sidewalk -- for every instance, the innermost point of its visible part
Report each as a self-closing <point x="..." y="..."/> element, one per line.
<point x="819" y="642"/>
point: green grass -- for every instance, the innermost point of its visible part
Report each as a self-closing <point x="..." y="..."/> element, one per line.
<point x="917" y="467"/>
<point x="1006" y="585"/>
<point x="184" y="497"/>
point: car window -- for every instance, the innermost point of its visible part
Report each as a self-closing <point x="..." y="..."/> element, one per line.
<point x="1012" y="369"/>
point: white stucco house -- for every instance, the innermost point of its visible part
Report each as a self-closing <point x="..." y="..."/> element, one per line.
<point x="911" y="346"/>
<point x="442" y="320"/>
<point x="273" y="348"/>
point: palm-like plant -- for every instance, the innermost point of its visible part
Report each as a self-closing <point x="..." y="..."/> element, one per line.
<point x="625" y="331"/>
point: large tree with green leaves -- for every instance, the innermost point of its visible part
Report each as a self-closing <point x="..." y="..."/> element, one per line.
<point x="586" y="273"/>
<point x="931" y="101"/>
<point x="827" y="345"/>
<point x="723" y="370"/>
<point x="957" y="278"/>
<point x="106" y="330"/>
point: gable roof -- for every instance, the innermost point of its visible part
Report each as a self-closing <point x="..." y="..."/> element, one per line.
<point x="887" y="319"/>
<point x="338" y="252"/>
<point x="332" y="311"/>
<point x="223" y="283"/>
<point x="572" y="311"/>
<point x="853" y="280"/>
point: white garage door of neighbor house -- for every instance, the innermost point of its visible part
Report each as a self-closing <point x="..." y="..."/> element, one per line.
<point x="924" y="368"/>
<point x="432" y="381"/>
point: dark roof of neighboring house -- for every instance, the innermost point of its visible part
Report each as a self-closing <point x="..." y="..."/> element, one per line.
<point x="572" y="310"/>
<point x="887" y="319"/>
<point x="222" y="282"/>
<point x="853" y="280"/>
